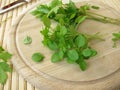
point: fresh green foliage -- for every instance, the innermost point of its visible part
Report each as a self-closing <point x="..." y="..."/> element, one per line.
<point x="1" y="49"/>
<point x="27" y="40"/>
<point x="72" y="55"/>
<point x="3" y="76"/>
<point x="82" y="63"/>
<point x="37" y="57"/>
<point x="80" y="41"/>
<point x="4" y="67"/>
<point x="87" y="52"/>
<point x="94" y="52"/>
<point x="57" y="56"/>
<point x="46" y="21"/>
<point x="5" y="56"/>
<point x="116" y="38"/>
<point x="64" y="39"/>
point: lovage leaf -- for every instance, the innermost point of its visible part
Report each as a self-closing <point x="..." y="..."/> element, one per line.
<point x="87" y="52"/>
<point x="5" y="67"/>
<point x="52" y="45"/>
<point x="63" y="30"/>
<point x="80" y="40"/>
<point x="1" y="49"/>
<point x="57" y="56"/>
<point x="3" y="76"/>
<point x="5" y="56"/>
<point x="46" y="21"/>
<point x="72" y="55"/>
<point x="37" y="57"/>
<point x="80" y="19"/>
<point x="55" y="3"/>
<point x="82" y="64"/>
<point x="43" y="9"/>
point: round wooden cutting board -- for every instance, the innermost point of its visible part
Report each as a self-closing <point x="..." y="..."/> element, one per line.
<point x="103" y="72"/>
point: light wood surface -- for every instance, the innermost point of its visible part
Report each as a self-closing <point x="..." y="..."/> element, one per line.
<point x="15" y="81"/>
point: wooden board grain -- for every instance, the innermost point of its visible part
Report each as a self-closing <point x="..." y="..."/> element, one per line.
<point x="103" y="70"/>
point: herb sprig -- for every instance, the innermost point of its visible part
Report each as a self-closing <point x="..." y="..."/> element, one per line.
<point x="4" y="66"/>
<point x="64" y="39"/>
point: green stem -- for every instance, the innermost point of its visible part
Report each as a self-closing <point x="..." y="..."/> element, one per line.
<point x="102" y="18"/>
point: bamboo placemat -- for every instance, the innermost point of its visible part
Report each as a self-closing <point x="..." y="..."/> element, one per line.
<point x="15" y="81"/>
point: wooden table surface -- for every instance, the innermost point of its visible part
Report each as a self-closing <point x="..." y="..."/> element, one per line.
<point x="15" y="81"/>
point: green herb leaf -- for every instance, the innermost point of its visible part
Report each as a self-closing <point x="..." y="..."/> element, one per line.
<point x="3" y="76"/>
<point x="83" y="9"/>
<point x="5" y="56"/>
<point x="45" y="32"/>
<point x="80" y="19"/>
<point x="46" y="21"/>
<point x="57" y="56"/>
<point x="80" y="41"/>
<point x="87" y="52"/>
<point x="5" y="67"/>
<point x="1" y="49"/>
<point x="117" y="35"/>
<point x="37" y="57"/>
<point x="71" y="8"/>
<point x="94" y="52"/>
<point x="52" y="45"/>
<point x="43" y="9"/>
<point x="82" y="64"/>
<point x="72" y="55"/>
<point x="63" y="30"/>
<point x="73" y="16"/>
<point x="55" y="3"/>
<point x="27" y="40"/>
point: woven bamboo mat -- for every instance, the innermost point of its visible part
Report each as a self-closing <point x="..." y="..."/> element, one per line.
<point x="15" y="81"/>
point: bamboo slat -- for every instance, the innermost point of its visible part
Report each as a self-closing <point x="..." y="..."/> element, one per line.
<point x="22" y="84"/>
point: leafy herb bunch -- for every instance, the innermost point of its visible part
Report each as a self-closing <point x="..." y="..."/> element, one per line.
<point x="64" y="39"/>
